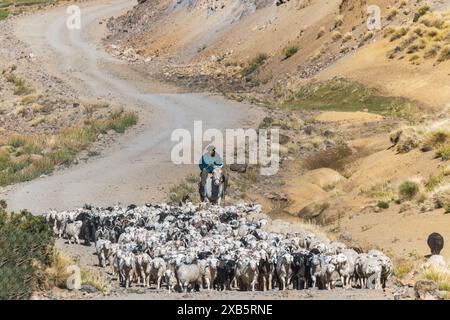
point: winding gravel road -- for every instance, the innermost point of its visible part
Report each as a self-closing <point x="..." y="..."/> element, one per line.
<point x="137" y="168"/>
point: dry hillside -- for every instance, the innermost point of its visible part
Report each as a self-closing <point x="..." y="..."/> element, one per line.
<point x="363" y="114"/>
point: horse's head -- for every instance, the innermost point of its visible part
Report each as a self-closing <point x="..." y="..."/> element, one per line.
<point x="217" y="174"/>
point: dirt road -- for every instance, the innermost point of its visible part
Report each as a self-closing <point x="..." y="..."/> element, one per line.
<point x="139" y="166"/>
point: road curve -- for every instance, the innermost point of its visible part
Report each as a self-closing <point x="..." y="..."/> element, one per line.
<point x="139" y="165"/>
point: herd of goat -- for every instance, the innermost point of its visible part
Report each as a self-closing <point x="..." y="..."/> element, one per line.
<point x="193" y="247"/>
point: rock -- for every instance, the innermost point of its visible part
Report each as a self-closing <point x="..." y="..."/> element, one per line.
<point x="404" y="293"/>
<point x="313" y="210"/>
<point x="240" y="168"/>
<point x="346" y="236"/>
<point x="88" y="288"/>
<point x="329" y="133"/>
<point x="426" y="290"/>
<point x="276" y="196"/>
<point x="284" y="139"/>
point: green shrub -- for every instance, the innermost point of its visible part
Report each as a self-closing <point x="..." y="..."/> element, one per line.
<point x="255" y="63"/>
<point x="340" y="94"/>
<point x="3" y="14"/>
<point x="408" y="190"/>
<point x="266" y="123"/>
<point x="26" y="246"/>
<point x="383" y="204"/>
<point x="289" y="52"/>
<point x="119" y="121"/>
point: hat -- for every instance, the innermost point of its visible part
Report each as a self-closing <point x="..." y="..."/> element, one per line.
<point x="210" y="148"/>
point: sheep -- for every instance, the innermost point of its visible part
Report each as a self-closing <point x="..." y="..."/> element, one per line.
<point x="188" y="275"/>
<point x="247" y="273"/>
<point x="158" y="269"/>
<point x="345" y="268"/>
<point x="157" y="244"/>
<point x="144" y="268"/>
<point x="328" y="276"/>
<point x="103" y="250"/>
<point x="284" y="270"/>
<point x="299" y="266"/>
<point x="371" y="272"/>
<point x="315" y="267"/>
<point x="209" y="271"/>
<point x="226" y="272"/>
<point x="73" y="230"/>
<point x="170" y="279"/>
<point x="127" y="265"/>
<point x="266" y="268"/>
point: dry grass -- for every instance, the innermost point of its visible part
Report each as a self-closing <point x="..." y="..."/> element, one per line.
<point x="439" y="275"/>
<point x="347" y="37"/>
<point x="443" y="152"/>
<point x="188" y="187"/>
<point x="320" y="33"/>
<point x="398" y="33"/>
<point x="392" y="14"/>
<point x="427" y="38"/>
<point x="382" y="191"/>
<point x="444" y="54"/>
<point x="428" y="136"/>
<point x="29" y="156"/>
<point x="21" y="87"/>
<point x="338" y="21"/>
<point x="402" y="267"/>
<point x="57" y="275"/>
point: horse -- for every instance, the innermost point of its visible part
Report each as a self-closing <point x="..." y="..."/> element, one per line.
<point x="214" y="190"/>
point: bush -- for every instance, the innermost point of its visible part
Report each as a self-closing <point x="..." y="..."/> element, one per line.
<point x="321" y="32"/>
<point x="336" y="36"/>
<point x="26" y="246"/>
<point x="443" y="152"/>
<point x="255" y="63"/>
<point x="391" y="14"/>
<point x="383" y="204"/>
<point x="408" y="190"/>
<point x="3" y="14"/>
<point x="289" y="52"/>
<point x="397" y="34"/>
<point x="444" y="54"/>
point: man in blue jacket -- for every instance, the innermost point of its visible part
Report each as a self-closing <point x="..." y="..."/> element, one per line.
<point x="206" y="165"/>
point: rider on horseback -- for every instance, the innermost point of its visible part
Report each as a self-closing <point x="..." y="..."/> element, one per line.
<point x="209" y="159"/>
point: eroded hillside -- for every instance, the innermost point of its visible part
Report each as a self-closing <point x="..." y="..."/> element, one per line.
<point x="363" y="113"/>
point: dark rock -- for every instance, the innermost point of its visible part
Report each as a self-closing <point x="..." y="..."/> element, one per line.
<point x="284" y="139"/>
<point x="276" y="196"/>
<point x="241" y="168"/>
<point x="88" y="288"/>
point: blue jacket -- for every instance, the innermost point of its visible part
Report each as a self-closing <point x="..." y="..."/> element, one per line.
<point x="207" y="162"/>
